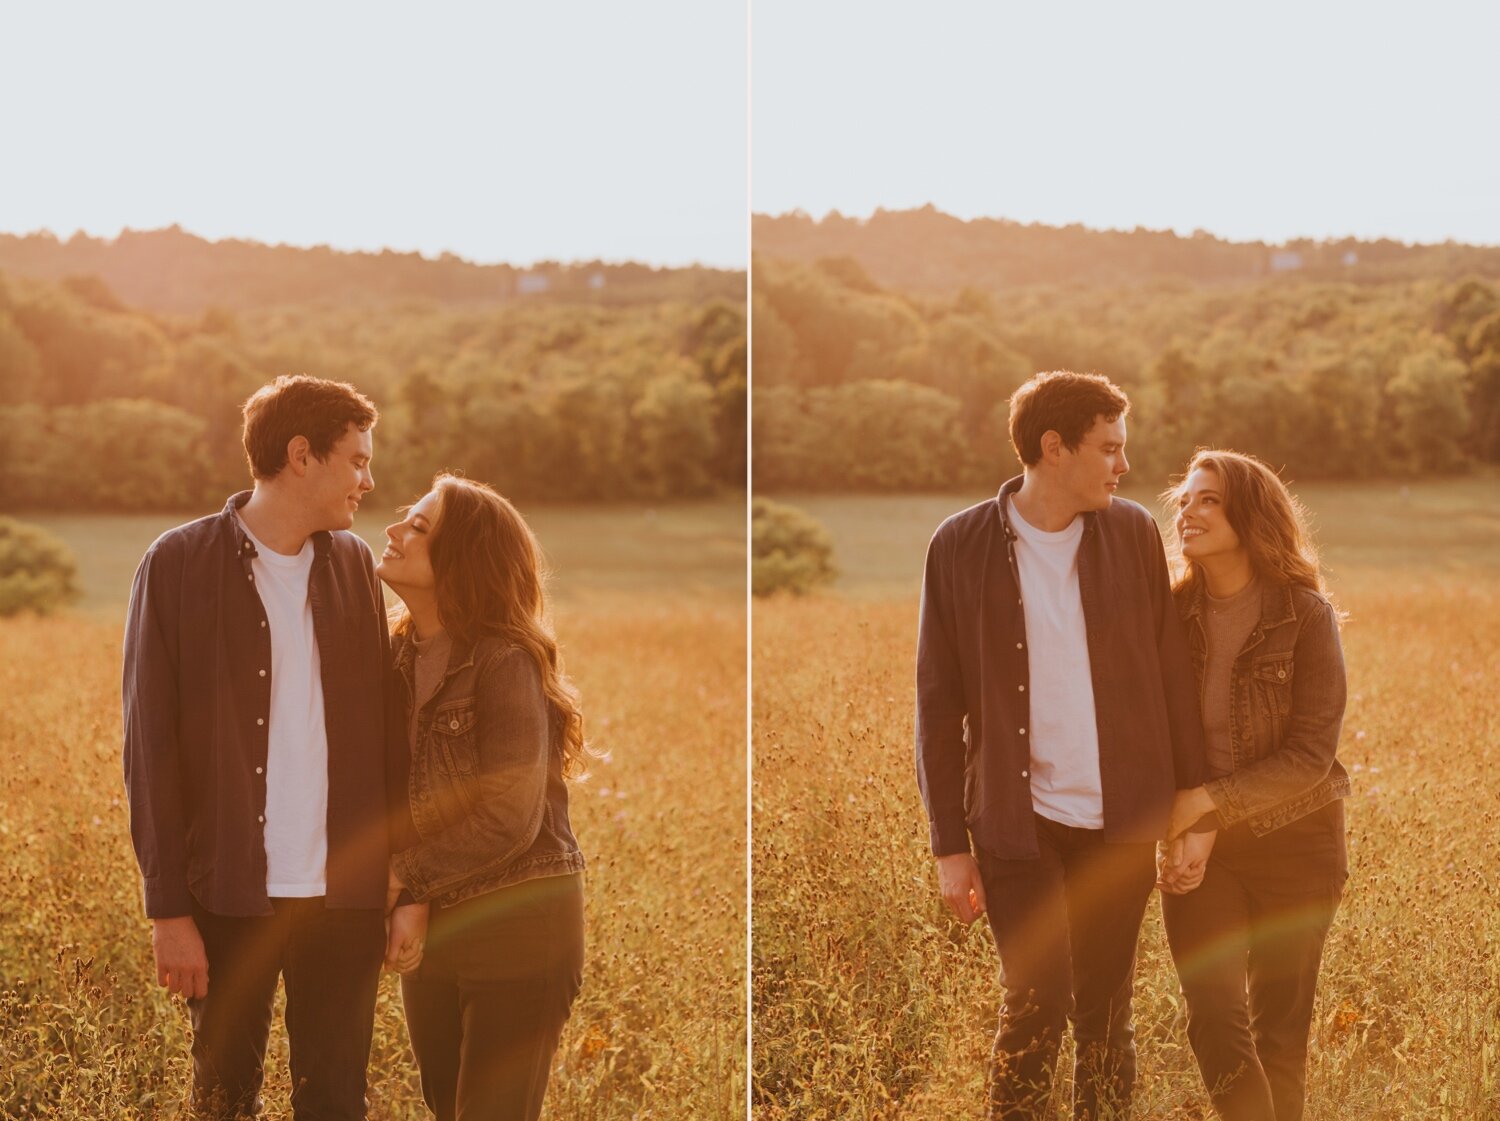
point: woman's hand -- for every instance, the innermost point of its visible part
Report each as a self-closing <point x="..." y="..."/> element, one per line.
<point x="1187" y="808"/>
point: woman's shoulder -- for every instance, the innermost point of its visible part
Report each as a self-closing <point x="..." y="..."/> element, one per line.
<point x="507" y="661"/>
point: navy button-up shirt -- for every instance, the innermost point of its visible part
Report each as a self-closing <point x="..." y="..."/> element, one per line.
<point x="196" y="694"/>
<point x="973" y="762"/>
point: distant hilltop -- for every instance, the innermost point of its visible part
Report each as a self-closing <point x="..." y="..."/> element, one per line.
<point x="172" y="270"/>
<point x="926" y="250"/>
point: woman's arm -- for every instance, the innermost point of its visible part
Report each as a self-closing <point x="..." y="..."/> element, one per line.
<point x="513" y="737"/>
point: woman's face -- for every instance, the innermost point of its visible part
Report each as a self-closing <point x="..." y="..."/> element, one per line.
<point x="406" y="562"/>
<point x="1202" y="524"/>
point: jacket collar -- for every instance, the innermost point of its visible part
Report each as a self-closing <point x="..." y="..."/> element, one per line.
<point x="1276" y="604"/>
<point x="240" y="541"/>
<point x="1009" y="487"/>
<point x="404" y="656"/>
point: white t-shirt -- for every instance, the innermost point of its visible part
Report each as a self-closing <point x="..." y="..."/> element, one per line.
<point x="296" y="829"/>
<point x="1064" y="737"/>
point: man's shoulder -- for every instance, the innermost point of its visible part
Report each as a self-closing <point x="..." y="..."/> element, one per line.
<point x="184" y="540"/>
<point x="350" y="547"/>
<point x="966" y="524"/>
<point x="1126" y="516"/>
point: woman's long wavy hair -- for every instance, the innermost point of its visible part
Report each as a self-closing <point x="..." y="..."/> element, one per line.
<point x="1269" y="521"/>
<point x="488" y="574"/>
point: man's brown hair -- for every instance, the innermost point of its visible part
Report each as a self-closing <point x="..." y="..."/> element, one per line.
<point x="300" y="406"/>
<point x="1062" y="402"/>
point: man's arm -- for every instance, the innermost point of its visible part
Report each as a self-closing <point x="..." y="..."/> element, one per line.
<point x="940" y="741"/>
<point x="153" y="781"/>
<point x="940" y="709"/>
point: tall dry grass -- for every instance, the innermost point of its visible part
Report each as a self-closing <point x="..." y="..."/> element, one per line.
<point x="871" y="1002"/>
<point x="658" y="1031"/>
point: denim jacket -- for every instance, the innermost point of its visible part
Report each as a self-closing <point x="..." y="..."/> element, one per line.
<point x="1287" y="705"/>
<point x="488" y="799"/>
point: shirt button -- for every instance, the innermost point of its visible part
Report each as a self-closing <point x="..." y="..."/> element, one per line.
<point x="260" y="719"/>
<point x="260" y="770"/>
<point x="1023" y="731"/>
<point x="1025" y="774"/>
<point x="250" y="576"/>
<point x="263" y="673"/>
<point x="261" y="819"/>
<point x="1020" y="646"/>
<point x="262" y="622"/>
<point x="1020" y="688"/>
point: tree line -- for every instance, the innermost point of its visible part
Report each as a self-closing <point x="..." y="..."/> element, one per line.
<point x="863" y="387"/>
<point x="107" y="407"/>
<point x="931" y="252"/>
<point x="174" y="271"/>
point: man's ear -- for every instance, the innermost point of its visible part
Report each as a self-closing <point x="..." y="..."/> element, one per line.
<point x="1052" y="445"/>
<point x="298" y="452"/>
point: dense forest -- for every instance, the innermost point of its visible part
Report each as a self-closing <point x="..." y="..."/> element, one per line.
<point x="927" y="251"/>
<point x="109" y="406"/>
<point x="863" y="386"/>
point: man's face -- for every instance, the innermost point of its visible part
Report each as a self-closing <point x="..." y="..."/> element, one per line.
<point x="1092" y="471"/>
<point x="336" y="483"/>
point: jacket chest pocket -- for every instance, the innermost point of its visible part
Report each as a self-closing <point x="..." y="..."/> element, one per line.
<point x="1271" y="682"/>
<point x="454" y="760"/>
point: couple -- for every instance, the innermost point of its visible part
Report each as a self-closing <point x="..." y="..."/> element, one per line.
<point x="1075" y="707"/>
<point x="313" y="792"/>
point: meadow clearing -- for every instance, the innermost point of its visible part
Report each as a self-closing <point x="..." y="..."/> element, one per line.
<point x="870" y="1001"/>
<point x="650" y="611"/>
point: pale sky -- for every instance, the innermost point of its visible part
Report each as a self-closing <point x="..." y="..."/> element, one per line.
<point x="1266" y="120"/>
<point x="499" y="131"/>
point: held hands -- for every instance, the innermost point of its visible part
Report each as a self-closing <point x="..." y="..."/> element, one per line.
<point x="961" y="887"/>
<point x="405" y="929"/>
<point x="181" y="964"/>
<point x="1182" y="859"/>
<point x="406" y="934"/>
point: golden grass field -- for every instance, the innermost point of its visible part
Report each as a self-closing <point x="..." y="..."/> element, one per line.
<point x="659" y="1030"/>
<point x="871" y="1002"/>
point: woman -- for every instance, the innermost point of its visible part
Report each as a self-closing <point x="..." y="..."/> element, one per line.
<point x="494" y="727"/>
<point x="1264" y="638"/>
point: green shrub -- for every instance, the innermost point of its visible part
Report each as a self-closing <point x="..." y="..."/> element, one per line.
<point x="37" y="571"/>
<point x="790" y="550"/>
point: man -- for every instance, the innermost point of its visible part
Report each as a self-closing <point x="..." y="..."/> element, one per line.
<point x="1057" y="714"/>
<point x="258" y="762"/>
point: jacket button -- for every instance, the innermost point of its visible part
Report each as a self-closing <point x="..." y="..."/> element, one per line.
<point x="453" y="724"/>
<point x="1281" y="673"/>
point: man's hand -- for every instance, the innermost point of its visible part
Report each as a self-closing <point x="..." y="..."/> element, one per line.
<point x="406" y="934"/>
<point x="181" y="964"/>
<point x="963" y="890"/>
<point x="1191" y="862"/>
<point x="1187" y="807"/>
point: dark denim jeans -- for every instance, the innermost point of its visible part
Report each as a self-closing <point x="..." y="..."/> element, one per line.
<point x="330" y="959"/>
<point x="487" y="1006"/>
<point x="1247" y="944"/>
<point x="1066" y="925"/>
